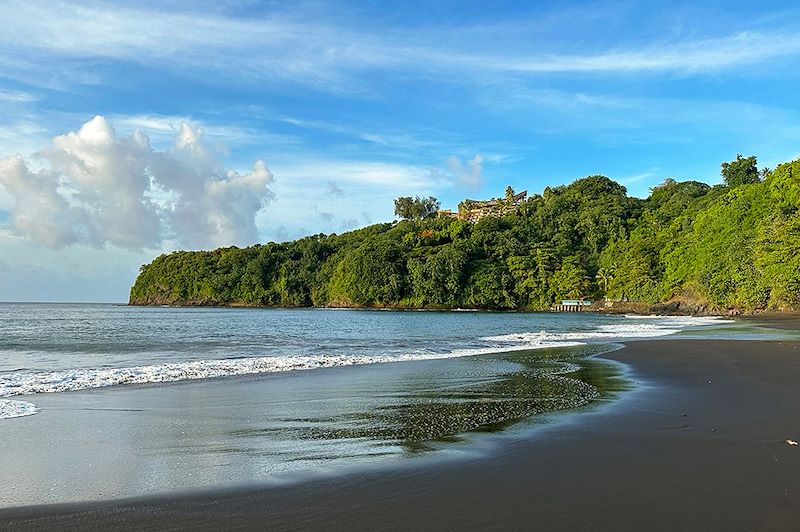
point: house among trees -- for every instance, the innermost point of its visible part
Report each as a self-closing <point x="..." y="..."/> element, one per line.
<point x="473" y="210"/>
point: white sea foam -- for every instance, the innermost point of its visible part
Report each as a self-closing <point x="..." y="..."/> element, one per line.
<point x="617" y="331"/>
<point x="27" y="383"/>
<point x="686" y="321"/>
<point x="23" y="383"/>
<point x="9" y="409"/>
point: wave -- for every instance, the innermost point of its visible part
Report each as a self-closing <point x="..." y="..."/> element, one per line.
<point x="688" y="321"/>
<point x="611" y="332"/>
<point x="27" y="383"/>
<point x="21" y="383"/>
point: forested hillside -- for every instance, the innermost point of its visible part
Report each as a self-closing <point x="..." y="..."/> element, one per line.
<point x="732" y="246"/>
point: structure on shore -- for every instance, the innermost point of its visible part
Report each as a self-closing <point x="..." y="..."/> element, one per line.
<point x="473" y="210"/>
<point x="572" y="305"/>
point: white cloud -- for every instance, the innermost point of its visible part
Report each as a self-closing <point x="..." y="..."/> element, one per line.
<point x="636" y="178"/>
<point x="164" y="127"/>
<point x="16" y="96"/>
<point x="97" y="188"/>
<point x="304" y="200"/>
<point x="371" y="173"/>
<point x="330" y="55"/>
<point x="695" y="56"/>
<point x="468" y="174"/>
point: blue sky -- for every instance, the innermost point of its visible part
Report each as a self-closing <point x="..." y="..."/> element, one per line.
<point x="234" y="122"/>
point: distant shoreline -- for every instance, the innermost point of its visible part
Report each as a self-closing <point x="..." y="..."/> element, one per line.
<point x="633" y="308"/>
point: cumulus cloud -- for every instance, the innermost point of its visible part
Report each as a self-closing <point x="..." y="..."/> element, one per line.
<point x="97" y="188"/>
<point x="469" y="173"/>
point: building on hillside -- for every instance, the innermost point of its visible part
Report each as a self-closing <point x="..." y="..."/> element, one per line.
<point x="446" y="213"/>
<point x="473" y="210"/>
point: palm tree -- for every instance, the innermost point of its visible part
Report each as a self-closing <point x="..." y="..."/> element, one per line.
<point x="604" y="278"/>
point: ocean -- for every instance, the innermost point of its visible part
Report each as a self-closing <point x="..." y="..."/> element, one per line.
<point x="104" y="401"/>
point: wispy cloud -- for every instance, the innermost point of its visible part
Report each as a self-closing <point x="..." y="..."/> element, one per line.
<point x="365" y="173"/>
<point x="636" y="178"/>
<point x="164" y="127"/>
<point x="698" y="56"/>
<point x="17" y="96"/>
<point x="468" y="174"/>
<point x="305" y="187"/>
<point x="328" y="55"/>
<point x="429" y="139"/>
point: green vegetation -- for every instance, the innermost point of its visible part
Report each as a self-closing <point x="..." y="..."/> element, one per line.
<point x="415" y="208"/>
<point x="728" y="246"/>
<point x="742" y="171"/>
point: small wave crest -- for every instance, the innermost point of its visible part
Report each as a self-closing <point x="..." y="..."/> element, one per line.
<point x="686" y="321"/>
<point x="27" y="383"/>
<point x="10" y="409"/>
<point x="647" y="328"/>
<point x="21" y="383"/>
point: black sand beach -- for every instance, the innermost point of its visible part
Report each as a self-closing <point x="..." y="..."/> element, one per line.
<point x="701" y="446"/>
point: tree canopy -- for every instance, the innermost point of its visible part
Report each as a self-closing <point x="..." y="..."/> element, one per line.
<point x="740" y="171"/>
<point x="729" y="246"/>
<point x="415" y="208"/>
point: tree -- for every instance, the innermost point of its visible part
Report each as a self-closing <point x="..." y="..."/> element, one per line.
<point x="571" y="280"/>
<point x="719" y="246"/>
<point x="668" y="183"/>
<point x="415" y="208"/>
<point x="742" y="171"/>
<point x="509" y="194"/>
<point x="604" y="277"/>
<point x="439" y="279"/>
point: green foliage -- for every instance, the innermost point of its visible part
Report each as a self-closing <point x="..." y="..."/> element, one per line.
<point x="572" y="279"/>
<point x="740" y="171"/>
<point x="415" y="208"/>
<point x="372" y="274"/>
<point x="731" y="247"/>
<point x="438" y="279"/>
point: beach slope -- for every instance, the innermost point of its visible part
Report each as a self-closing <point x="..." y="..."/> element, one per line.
<point x="700" y="445"/>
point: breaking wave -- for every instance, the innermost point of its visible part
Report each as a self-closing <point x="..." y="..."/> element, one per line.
<point x="611" y="332"/>
<point x="21" y="383"/>
<point x="27" y="383"/>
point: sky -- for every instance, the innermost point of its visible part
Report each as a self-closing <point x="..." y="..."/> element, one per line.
<point x="128" y="129"/>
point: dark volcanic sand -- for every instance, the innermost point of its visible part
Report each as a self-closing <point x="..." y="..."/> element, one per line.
<point x="701" y="447"/>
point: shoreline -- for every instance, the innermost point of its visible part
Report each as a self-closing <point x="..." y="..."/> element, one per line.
<point x="637" y="309"/>
<point x="706" y="436"/>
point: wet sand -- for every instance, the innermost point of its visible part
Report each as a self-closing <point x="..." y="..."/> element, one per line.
<point x="701" y="445"/>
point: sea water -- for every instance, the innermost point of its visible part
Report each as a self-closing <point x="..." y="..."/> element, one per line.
<point x="54" y="348"/>
<point x="100" y="401"/>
